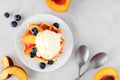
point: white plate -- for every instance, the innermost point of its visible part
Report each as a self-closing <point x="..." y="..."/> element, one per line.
<point x="33" y="64"/>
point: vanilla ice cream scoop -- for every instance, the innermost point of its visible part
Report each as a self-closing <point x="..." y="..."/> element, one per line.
<point x="48" y="44"/>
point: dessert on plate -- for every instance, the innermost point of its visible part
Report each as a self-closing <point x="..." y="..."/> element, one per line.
<point x="43" y="42"/>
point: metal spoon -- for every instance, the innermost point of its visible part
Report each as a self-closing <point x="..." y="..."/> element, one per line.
<point x="84" y="54"/>
<point x="97" y="61"/>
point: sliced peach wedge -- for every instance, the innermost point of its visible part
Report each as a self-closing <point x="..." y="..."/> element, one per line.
<point x="28" y="39"/>
<point x="28" y="49"/>
<point x="14" y="70"/>
<point x="107" y="73"/>
<point x="58" y="5"/>
<point x="6" y="61"/>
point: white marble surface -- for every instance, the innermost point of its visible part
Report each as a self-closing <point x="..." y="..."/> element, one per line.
<point x="94" y="23"/>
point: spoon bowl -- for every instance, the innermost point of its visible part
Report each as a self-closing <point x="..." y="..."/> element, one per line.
<point x="84" y="53"/>
<point x="96" y="61"/>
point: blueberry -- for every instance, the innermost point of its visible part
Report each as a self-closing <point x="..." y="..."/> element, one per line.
<point x="42" y="65"/>
<point x="34" y="31"/>
<point x="32" y="55"/>
<point x="56" y="25"/>
<point x="14" y="24"/>
<point x="6" y="14"/>
<point x="17" y="17"/>
<point x="34" y="50"/>
<point x="50" y="62"/>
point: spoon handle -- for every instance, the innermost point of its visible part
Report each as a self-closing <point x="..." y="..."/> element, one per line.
<point x="83" y="73"/>
<point x="80" y="66"/>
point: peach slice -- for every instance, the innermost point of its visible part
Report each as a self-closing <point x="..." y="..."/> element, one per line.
<point x="6" y="61"/>
<point x="28" y="49"/>
<point x="14" y="70"/>
<point x="58" y="5"/>
<point x="107" y="73"/>
<point x="28" y="39"/>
